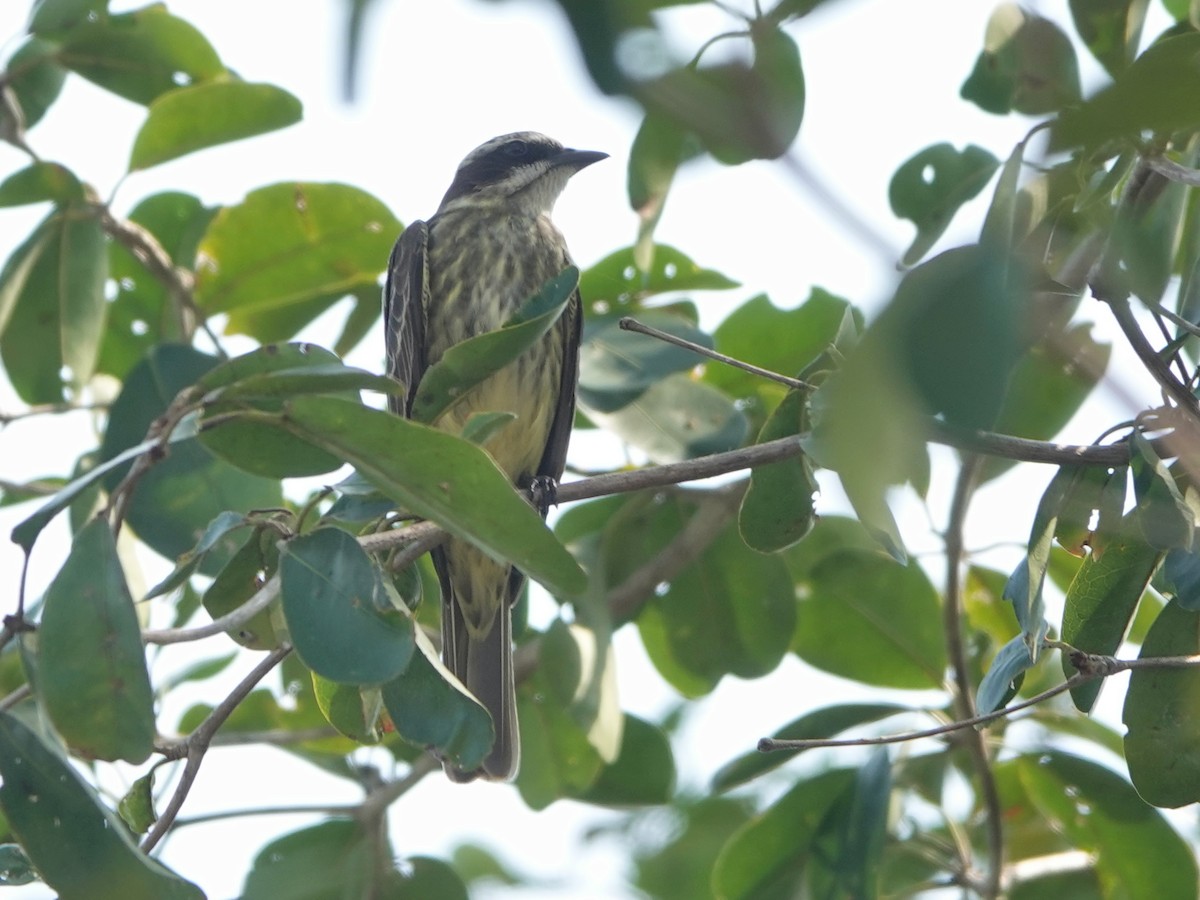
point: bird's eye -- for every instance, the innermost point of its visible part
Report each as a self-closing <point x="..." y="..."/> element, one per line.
<point x="516" y="149"/>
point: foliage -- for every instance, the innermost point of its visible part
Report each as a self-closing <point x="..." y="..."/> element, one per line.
<point x="979" y="348"/>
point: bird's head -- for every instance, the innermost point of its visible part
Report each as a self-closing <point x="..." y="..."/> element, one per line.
<point x="525" y="170"/>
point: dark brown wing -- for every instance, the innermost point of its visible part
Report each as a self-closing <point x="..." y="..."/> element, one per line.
<point x="554" y="459"/>
<point x="404" y="302"/>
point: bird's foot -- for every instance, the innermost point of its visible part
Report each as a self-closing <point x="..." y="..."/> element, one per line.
<point x="543" y="493"/>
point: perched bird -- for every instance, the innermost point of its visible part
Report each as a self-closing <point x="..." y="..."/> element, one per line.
<point x="490" y="247"/>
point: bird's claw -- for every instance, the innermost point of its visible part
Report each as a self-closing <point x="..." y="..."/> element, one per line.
<point x="543" y="493"/>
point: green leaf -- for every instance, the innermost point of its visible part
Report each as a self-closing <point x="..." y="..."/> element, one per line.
<point x="192" y="118"/>
<point x="40" y="182"/>
<point x="778" y="509"/>
<point x="137" y="806"/>
<point x="1003" y="677"/>
<point x="738" y="112"/>
<point x="1111" y="29"/>
<point x="36" y="80"/>
<point x="577" y="670"/>
<point x="677" y="418"/>
<point x="291" y="242"/>
<point x="261" y="380"/>
<point x="1101" y="600"/>
<point x="426" y="877"/>
<point x="730" y="612"/>
<point x="618" y="279"/>
<point x="1024" y="588"/>
<point x="1047" y="387"/>
<point x="466" y="364"/>
<point x="361" y="320"/>
<point x="659" y="148"/>
<point x="26" y="532"/>
<point x="867" y="618"/>
<point x="1159" y="92"/>
<point x="1181" y="578"/>
<point x="139" y="55"/>
<point x="929" y="188"/>
<point x="751" y="333"/>
<point x="617" y="366"/>
<point x="340" y="620"/>
<point x="177" y="497"/>
<point x="52" y="305"/>
<point x="1028" y="65"/>
<point x="91" y="665"/>
<point x="50" y="16"/>
<point x="1132" y="848"/>
<point x="352" y="710"/>
<point x="430" y="708"/>
<point x="956" y="324"/>
<point x="439" y="477"/>
<point x="80" y="848"/>
<point x="643" y="774"/>
<point x="335" y="858"/>
<point x="680" y="868"/>
<point x="142" y="314"/>
<point x="240" y="579"/>
<point x="1164" y="517"/>
<point x="765" y="858"/>
<point x="819" y="724"/>
<point x="15" y="867"/>
<point x="186" y="564"/>
<point x="853" y="855"/>
<point x="557" y="759"/>
<point x="1160" y="714"/>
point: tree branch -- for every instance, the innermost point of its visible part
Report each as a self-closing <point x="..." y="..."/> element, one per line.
<point x="1090" y="667"/>
<point x="179" y="282"/>
<point x="964" y="704"/>
<point x="231" y="621"/>
<point x="708" y="521"/>
<point x="195" y="745"/>
<point x="1172" y="170"/>
<point x="628" y="323"/>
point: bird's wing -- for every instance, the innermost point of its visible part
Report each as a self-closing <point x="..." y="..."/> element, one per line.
<point x="404" y="313"/>
<point x="554" y="458"/>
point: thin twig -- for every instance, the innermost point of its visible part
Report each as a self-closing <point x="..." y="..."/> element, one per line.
<point x="276" y="737"/>
<point x="1168" y="168"/>
<point x="47" y="409"/>
<point x="628" y="323"/>
<point x="1090" y="666"/>
<point x="315" y="809"/>
<point x="231" y="621"/>
<point x="16" y="696"/>
<point x="964" y="704"/>
<point x="767" y="745"/>
<point x="708" y="521"/>
<point x="179" y="282"/>
<point x="377" y="802"/>
<point x="196" y="744"/>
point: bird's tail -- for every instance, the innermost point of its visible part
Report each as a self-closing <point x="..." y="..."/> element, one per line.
<point x="483" y="662"/>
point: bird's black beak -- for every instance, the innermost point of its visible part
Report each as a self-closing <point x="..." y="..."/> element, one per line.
<point x="578" y="159"/>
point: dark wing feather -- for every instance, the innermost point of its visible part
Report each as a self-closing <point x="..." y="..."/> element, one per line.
<point x="554" y="459"/>
<point x="404" y="303"/>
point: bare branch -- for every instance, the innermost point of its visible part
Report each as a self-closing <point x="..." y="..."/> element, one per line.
<point x="628" y="323"/>
<point x="964" y="704"/>
<point x="1090" y="667"/>
<point x="231" y="621"/>
<point x="196" y="744"/>
<point x="709" y="520"/>
<point x="1168" y="168"/>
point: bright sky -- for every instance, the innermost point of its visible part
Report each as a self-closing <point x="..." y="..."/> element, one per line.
<point x="436" y="79"/>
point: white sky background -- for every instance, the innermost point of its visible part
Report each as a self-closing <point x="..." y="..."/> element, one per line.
<point x="436" y="79"/>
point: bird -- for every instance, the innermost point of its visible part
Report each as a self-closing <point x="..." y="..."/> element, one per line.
<point x="488" y="248"/>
